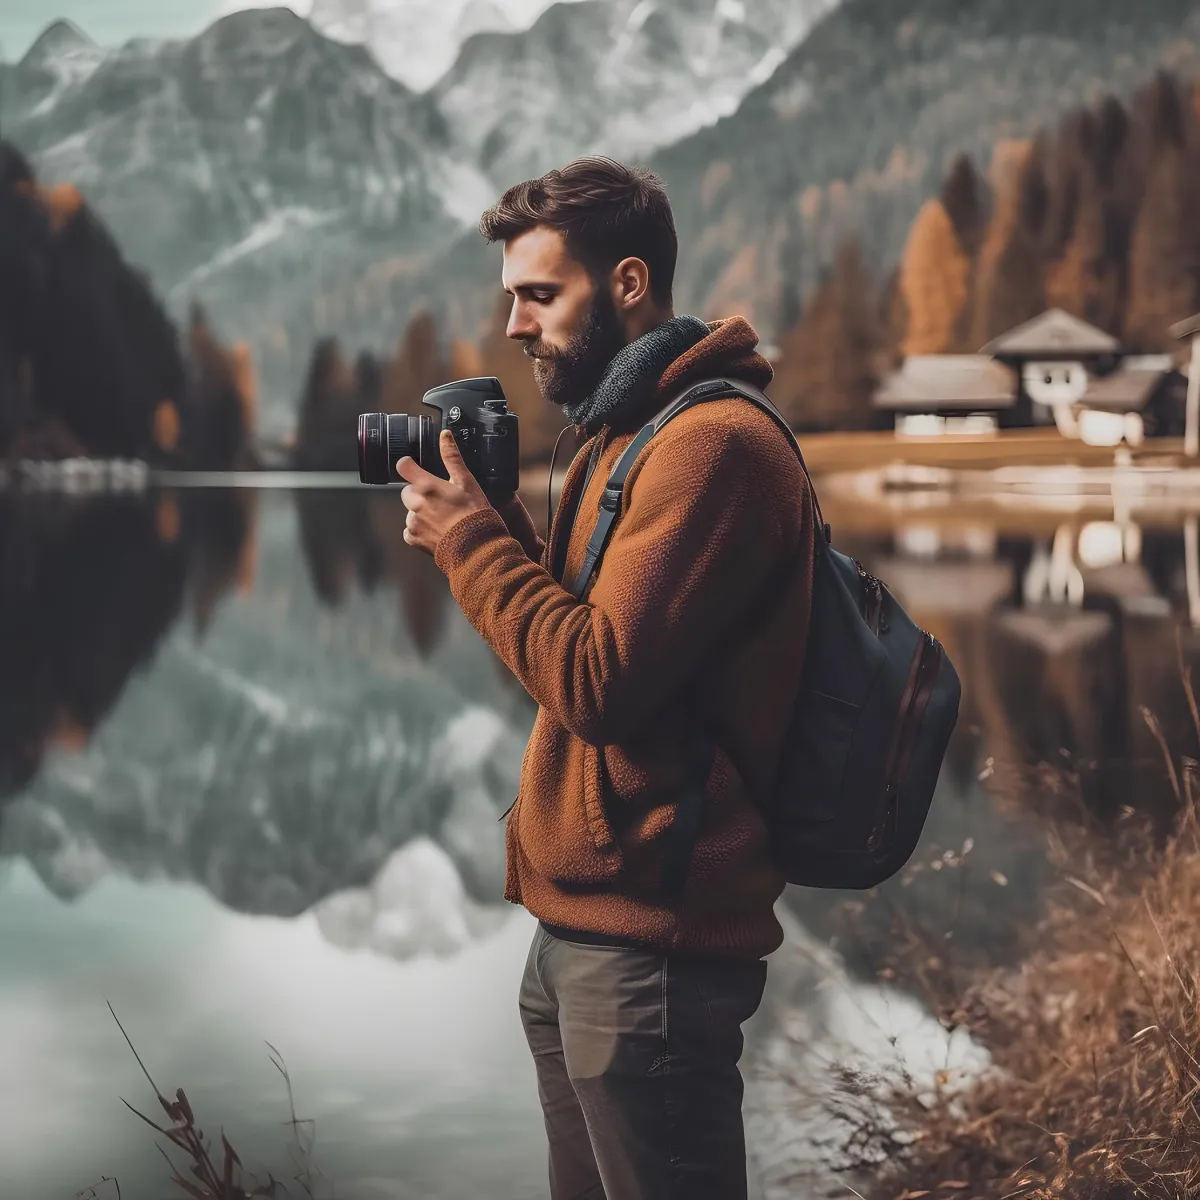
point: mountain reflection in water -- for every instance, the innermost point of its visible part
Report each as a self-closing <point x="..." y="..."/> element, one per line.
<point x="271" y="704"/>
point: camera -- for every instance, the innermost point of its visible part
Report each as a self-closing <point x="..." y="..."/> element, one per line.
<point x="474" y="410"/>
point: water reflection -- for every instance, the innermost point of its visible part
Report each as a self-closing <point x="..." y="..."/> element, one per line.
<point x="265" y="717"/>
<point x="282" y="761"/>
<point x="89" y="589"/>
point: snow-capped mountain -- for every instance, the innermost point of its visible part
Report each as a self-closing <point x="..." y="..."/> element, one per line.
<point x="292" y="185"/>
<point x="616" y="76"/>
<point x="417" y="42"/>
<point x="258" y="138"/>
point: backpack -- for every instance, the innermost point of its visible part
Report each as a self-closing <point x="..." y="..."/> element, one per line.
<point x="877" y="703"/>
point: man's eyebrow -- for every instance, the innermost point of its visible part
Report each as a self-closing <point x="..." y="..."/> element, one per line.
<point x="534" y="287"/>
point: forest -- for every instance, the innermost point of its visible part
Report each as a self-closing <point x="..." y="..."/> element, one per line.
<point x="1092" y="215"/>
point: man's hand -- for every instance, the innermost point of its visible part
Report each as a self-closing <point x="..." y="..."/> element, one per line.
<point x="435" y="504"/>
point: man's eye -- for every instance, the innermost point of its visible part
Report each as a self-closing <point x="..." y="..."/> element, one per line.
<point x="543" y="297"/>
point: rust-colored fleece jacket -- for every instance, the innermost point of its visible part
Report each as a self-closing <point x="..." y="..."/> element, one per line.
<point x="700" y="606"/>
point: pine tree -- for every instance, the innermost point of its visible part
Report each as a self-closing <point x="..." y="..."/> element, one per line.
<point x="1164" y="266"/>
<point x="1088" y="224"/>
<point x="830" y="363"/>
<point x="1009" y="281"/>
<point x="418" y="366"/>
<point x="934" y="277"/>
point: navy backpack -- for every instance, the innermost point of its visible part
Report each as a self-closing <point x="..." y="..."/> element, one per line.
<point x="877" y="703"/>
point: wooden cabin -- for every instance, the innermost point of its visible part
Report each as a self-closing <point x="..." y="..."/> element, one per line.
<point x="1053" y="370"/>
<point x="947" y="393"/>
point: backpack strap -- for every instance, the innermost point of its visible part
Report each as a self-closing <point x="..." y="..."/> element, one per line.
<point x="610" y="501"/>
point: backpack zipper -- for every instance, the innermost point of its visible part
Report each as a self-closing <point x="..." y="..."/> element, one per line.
<point x="918" y="687"/>
<point x="872" y="600"/>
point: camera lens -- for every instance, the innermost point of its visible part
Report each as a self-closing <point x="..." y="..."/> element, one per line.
<point x="383" y="440"/>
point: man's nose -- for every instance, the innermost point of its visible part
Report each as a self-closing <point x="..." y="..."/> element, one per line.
<point x="521" y="324"/>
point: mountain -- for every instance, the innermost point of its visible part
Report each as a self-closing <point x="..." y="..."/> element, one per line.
<point x="288" y="183"/>
<point x="618" y="76"/>
<point x="244" y="167"/>
<point x="852" y="132"/>
<point x="415" y="43"/>
<point x="860" y="122"/>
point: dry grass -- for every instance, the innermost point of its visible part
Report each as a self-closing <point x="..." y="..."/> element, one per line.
<point x="1095" y="1036"/>
<point x="222" y="1177"/>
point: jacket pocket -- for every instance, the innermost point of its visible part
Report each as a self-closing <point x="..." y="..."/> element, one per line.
<point x="561" y="823"/>
<point x="594" y="808"/>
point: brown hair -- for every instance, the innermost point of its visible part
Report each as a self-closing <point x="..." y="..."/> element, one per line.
<point x="605" y="210"/>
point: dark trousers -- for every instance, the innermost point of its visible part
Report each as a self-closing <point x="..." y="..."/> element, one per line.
<point x="637" y="1066"/>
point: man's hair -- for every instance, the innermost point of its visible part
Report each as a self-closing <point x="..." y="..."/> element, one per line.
<point x="605" y="210"/>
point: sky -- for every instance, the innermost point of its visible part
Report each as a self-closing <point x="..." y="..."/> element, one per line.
<point x="113" y="21"/>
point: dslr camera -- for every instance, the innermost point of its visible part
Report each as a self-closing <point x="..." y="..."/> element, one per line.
<point x="474" y="410"/>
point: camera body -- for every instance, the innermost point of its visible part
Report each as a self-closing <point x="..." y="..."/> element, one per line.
<point x="474" y="410"/>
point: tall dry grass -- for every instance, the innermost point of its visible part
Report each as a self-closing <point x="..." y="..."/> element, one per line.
<point x="216" y="1175"/>
<point x="1094" y="1036"/>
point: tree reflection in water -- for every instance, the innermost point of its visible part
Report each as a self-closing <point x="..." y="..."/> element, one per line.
<point x="88" y="589"/>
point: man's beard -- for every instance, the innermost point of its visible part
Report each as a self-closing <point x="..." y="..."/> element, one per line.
<point x="572" y="373"/>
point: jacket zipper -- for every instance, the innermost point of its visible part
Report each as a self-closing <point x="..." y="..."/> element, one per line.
<point x="918" y="687"/>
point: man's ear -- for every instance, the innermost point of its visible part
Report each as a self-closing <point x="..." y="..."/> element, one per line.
<point x="630" y="284"/>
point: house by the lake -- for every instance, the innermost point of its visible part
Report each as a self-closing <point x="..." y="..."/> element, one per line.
<point x="1052" y="370"/>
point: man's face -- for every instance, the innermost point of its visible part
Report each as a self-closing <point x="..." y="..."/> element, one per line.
<point x="568" y="324"/>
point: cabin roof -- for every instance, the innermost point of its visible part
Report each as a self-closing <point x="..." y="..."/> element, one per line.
<point x="1129" y="387"/>
<point x="966" y="382"/>
<point x="1053" y="334"/>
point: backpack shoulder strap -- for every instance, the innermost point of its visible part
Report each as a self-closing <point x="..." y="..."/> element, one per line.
<point x="697" y="393"/>
<point x="610" y="501"/>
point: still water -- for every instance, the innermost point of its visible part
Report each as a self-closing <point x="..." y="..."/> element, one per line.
<point x="251" y="763"/>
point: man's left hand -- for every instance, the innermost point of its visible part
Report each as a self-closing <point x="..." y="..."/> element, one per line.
<point x="435" y="504"/>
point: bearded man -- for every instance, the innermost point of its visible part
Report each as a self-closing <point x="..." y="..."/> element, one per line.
<point x="634" y="993"/>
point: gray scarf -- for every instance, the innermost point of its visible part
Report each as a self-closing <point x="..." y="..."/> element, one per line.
<point x="634" y="372"/>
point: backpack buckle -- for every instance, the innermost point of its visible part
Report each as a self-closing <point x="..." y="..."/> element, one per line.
<point x="611" y="500"/>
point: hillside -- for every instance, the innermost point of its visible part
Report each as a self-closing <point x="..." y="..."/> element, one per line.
<point x="859" y="125"/>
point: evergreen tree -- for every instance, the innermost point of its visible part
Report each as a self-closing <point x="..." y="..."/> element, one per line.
<point x="1164" y="263"/>
<point x="1009" y="281"/>
<point x="830" y="363"/>
<point x="418" y="366"/>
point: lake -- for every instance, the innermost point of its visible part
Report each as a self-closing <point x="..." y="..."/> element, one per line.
<point x="252" y="761"/>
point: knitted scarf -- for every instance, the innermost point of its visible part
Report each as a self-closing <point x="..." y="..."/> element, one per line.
<point x="633" y="374"/>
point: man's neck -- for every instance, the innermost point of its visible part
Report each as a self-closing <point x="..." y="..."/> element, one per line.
<point x="641" y="323"/>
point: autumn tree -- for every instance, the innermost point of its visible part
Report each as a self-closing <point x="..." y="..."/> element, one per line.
<point x="540" y="421"/>
<point x="830" y="363"/>
<point x="418" y="366"/>
<point x="328" y="409"/>
<point x="1008" y="284"/>
<point x="938" y="261"/>
<point x="1089" y="218"/>
<point x="1164" y="264"/>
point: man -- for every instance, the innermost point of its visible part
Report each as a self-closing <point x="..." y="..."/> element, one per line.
<point x="633" y="998"/>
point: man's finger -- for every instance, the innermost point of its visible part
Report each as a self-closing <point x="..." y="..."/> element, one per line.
<point x="455" y="467"/>
<point x="408" y="468"/>
<point x="412" y="497"/>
